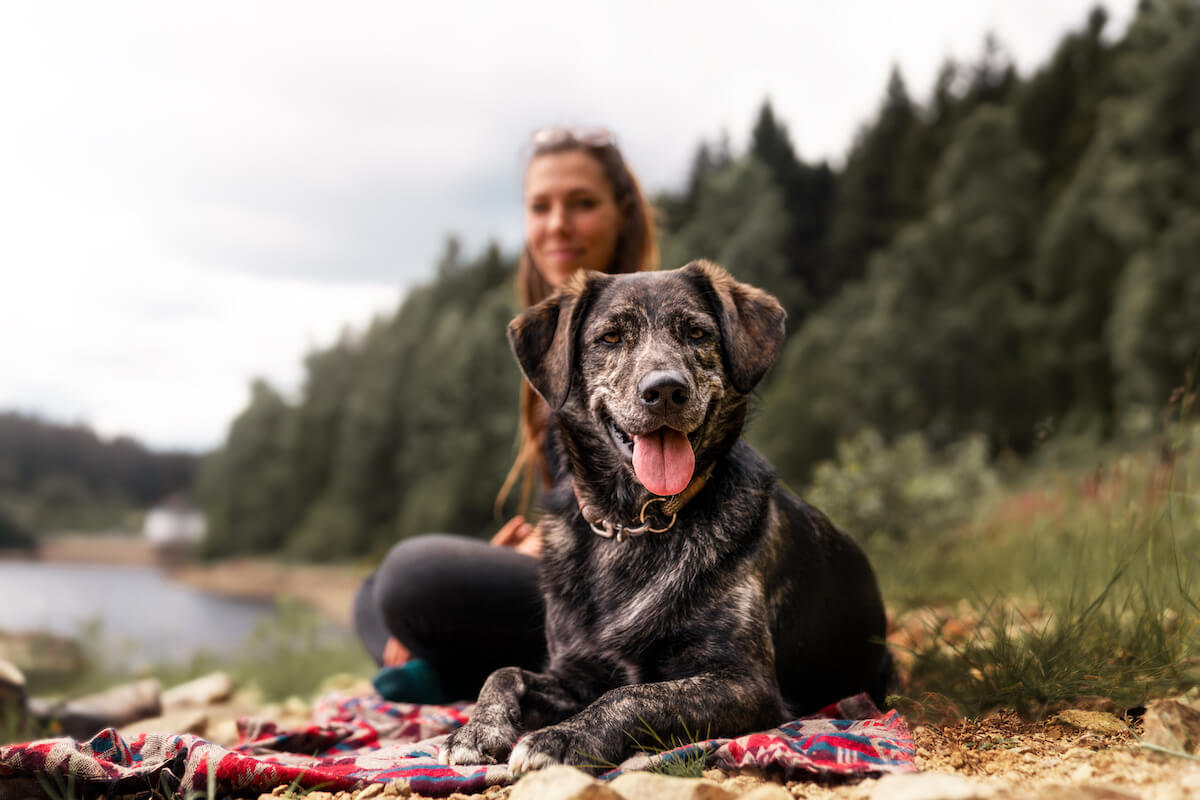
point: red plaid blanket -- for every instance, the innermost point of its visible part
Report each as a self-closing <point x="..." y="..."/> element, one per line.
<point x="355" y="741"/>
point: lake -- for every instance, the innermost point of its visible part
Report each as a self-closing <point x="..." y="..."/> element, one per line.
<point x="143" y="614"/>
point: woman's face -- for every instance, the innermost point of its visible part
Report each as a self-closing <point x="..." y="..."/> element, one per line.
<point x="572" y="220"/>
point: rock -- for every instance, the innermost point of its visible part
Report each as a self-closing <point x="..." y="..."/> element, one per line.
<point x="123" y="704"/>
<point x="649" y="786"/>
<point x="12" y="700"/>
<point x="222" y="731"/>
<point x="83" y="717"/>
<point x="41" y="654"/>
<point x="1093" y="721"/>
<point x="296" y="707"/>
<point x="1071" y="792"/>
<point x="10" y="676"/>
<point x="347" y="683"/>
<point x="216" y="687"/>
<point x="374" y="790"/>
<point x="189" y="720"/>
<point x="561" y="783"/>
<point x="1172" y="724"/>
<point x="767" y="791"/>
<point x="740" y="784"/>
<point x="12" y="683"/>
<point x="929" y="786"/>
<point x="397" y="788"/>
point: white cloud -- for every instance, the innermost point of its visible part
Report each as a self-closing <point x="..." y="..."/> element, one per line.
<point x="195" y="194"/>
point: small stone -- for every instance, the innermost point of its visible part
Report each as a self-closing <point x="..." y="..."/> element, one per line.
<point x="12" y="696"/>
<point x="1073" y="792"/>
<point x="373" y="790"/>
<point x="194" y="721"/>
<point x="1173" y="724"/>
<point x="767" y="791"/>
<point x="83" y="717"/>
<point x="1082" y="773"/>
<point x="397" y="788"/>
<point x="1191" y="782"/>
<point x="649" y="786"/>
<point x="215" y="687"/>
<point x="741" y="784"/>
<point x="929" y="786"/>
<point x="561" y="783"/>
<point x="11" y="676"/>
<point x="1093" y="721"/>
<point x="296" y="707"/>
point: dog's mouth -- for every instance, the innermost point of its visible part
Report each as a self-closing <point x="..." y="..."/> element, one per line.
<point x="663" y="459"/>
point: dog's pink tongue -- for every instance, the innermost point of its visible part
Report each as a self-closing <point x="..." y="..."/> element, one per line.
<point x="663" y="461"/>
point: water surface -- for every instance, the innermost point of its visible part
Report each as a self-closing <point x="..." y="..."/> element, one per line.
<point x="144" y="615"/>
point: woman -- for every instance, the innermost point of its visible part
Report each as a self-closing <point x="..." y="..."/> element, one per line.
<point x="443" y="611"/>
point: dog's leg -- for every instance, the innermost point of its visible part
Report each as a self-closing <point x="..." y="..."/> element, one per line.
<point x="511" y="701"/>
<point x="725" y="702"/>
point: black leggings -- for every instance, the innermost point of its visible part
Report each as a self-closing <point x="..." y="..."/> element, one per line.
<point x="462" y="605"/>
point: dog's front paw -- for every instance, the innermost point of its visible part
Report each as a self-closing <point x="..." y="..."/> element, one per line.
<point x="557" y="744"/>
<point x="477" y="743"/>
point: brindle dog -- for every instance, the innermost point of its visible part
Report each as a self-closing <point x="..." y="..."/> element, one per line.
<point x="686" y="591"/>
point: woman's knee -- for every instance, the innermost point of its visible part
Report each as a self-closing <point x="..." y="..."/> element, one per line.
<point x="413" y="576"/>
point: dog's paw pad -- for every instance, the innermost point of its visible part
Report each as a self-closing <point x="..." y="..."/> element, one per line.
<point x="524" y="759"/>
<point x="549" y="746"/>
<point x="474" y="745"/>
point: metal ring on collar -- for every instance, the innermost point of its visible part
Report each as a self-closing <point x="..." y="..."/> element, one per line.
<point x="646" y="523"/>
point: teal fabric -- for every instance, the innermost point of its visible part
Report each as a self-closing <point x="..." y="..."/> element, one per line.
<point x="413" y="682"/>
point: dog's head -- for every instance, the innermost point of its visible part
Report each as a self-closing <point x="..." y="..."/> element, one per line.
<point x="650" y="370"/>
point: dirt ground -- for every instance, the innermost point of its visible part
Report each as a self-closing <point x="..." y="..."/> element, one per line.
<point x="328" y="589"/>
<point x="1000" y="757"/>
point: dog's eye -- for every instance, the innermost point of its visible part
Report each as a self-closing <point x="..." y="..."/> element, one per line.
<point x="612" y="337"/>
<point x="697" y="333"/>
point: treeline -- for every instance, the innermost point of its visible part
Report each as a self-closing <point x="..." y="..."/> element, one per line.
<point x="1010" y="256"/>
<point x="53" y="474"/>
<point x="407" y="427"/>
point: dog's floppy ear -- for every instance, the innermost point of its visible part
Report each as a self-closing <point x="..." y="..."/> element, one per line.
<point x="751" y="322"/>
<point x="543" y="337"/>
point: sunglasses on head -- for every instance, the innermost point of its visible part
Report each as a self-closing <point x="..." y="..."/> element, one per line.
<point x="556" y="135"/>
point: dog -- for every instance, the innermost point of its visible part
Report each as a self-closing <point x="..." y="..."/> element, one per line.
<point x="686" y="591"/>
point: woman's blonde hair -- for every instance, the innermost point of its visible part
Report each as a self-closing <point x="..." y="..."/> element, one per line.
<point x="636" y="251"/>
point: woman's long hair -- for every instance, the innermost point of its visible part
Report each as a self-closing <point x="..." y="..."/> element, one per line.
<point x="636" y="251"/>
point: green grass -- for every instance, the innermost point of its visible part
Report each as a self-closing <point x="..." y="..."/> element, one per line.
<point x="1079" y="585"/>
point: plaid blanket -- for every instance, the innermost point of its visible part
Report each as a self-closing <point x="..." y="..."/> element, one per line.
<point x="356" y="741"/>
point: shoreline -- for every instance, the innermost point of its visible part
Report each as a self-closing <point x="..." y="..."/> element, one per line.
<point x="327" y="589"/>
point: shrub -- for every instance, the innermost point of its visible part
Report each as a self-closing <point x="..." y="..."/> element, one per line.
<point x="13" y="536"/>
<point x="875" y="490"/>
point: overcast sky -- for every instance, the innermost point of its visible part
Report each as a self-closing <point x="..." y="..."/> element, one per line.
<point x="195" y="195"/>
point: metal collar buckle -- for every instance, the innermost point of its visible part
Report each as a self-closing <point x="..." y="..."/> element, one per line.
<point x="609" y="530"/>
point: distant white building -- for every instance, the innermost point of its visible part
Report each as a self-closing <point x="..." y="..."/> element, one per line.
<point x="175" y="521"/>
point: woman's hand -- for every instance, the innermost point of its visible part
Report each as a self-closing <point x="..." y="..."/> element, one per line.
<point x="520" y="536"/>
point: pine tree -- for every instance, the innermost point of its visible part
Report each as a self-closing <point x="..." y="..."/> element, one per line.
<point x="1137" y="181"/>
<point x="807" y="199"/>
<point x="868" y="207"/>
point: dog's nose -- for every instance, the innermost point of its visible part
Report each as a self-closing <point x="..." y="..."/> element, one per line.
<point x="664" y="390"/>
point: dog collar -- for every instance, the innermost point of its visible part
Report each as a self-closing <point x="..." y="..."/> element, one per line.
<point x="671" y="506"/>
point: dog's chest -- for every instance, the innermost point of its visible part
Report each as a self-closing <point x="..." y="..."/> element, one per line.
<point x="647" y="608"/>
